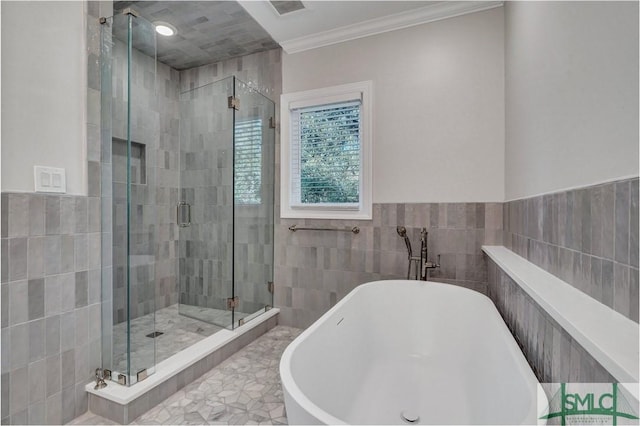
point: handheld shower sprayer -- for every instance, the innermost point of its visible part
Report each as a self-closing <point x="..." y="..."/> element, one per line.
<point x="402" y="232"/>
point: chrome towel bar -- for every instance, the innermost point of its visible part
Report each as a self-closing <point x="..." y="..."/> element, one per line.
<point x="295" y="228"/>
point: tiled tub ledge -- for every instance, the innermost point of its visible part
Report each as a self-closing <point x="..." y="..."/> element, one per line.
<point x="124" y="404"/>
<point x="609" y="337"/>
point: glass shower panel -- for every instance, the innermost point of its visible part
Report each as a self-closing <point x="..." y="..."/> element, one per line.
<point x="130" y="123"/>
<point x="107" y="226"/>
<point x="254" y="148"/>
<point x="142" y="148"/>
<point x="205" y="211"/>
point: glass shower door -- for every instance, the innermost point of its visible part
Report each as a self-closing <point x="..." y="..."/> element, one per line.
<point x="254" y="163"/>
<point x="225" y="213"/>
<point x="205" y="211"/>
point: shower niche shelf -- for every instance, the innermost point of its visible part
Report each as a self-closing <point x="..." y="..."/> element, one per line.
<point x="138" y="161"/>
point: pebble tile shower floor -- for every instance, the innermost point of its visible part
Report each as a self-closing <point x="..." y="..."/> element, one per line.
<point x="244" y="389"/>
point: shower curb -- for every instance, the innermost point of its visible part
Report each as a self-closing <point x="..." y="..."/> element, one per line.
<point x="125" y="413"/>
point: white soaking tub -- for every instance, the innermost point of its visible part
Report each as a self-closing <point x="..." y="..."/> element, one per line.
<point x="395" y="351"/>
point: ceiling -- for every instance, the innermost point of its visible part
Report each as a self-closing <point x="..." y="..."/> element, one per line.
<point x="211" y="31"/>
<point x="208" y="31"/>
<point x="319" y="15"/>
<point x="325" y="22"/>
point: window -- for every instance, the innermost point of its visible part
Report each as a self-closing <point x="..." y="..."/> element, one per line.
<point x="326" y="153"/>
<point x="248" y="161"/>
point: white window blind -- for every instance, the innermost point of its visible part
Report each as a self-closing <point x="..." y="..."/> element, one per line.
<point x="248" y="162"/>
<point x="326" y="155"/>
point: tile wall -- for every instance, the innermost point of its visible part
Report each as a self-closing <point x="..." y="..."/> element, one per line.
<point x="587" y="237"/>
<point x="51" y="326"/>
<point x="315" y="269"/>
<point x="552" y="354"/>
<point x="153" y="229"/>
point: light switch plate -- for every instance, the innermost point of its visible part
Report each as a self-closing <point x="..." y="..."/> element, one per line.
<point x="50" y="179"/>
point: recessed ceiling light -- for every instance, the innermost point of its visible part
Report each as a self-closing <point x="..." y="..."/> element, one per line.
<point x="165" y="29"/>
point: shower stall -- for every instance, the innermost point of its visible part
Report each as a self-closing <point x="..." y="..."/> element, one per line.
<point x="187" y="191"/>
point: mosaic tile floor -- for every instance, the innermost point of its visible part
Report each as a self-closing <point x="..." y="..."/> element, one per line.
<point x="244" y="389"/>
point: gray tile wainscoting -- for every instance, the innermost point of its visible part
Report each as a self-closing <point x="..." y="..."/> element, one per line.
<point x="315" y="269"/>
<point x="51" y="323"/>
<point x="551" y="352"/>
<point x="587" y="237"/>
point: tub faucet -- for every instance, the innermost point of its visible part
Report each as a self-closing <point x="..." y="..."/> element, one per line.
<point x="421" y="265"/>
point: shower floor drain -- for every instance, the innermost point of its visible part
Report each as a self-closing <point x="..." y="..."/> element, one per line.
<point x="155" y="334"/>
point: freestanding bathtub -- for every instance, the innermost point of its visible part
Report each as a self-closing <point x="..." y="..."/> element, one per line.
<point x="408" y="352"/>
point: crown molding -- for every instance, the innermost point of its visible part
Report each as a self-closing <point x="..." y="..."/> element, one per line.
<point x="409" y="18"/>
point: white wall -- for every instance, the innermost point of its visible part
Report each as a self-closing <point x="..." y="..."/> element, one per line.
<point x="438" y="105"/>
<point x="43" y="92"/>
<point x="571" y="94"/>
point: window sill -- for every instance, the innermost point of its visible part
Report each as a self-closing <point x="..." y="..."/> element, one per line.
<point x="317" y="214"/>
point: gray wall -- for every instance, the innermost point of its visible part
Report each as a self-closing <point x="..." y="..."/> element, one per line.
<point x="571" y="94"/>
<point x="43" y="70"/>
<point x="438" y="105"/>
<point x="50" y="305"/>
<point x="587" y="237"/>
<point x="315" y="269"/>
<point x="552" y="354"/>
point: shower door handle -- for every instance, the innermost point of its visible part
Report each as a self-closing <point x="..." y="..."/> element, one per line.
<point x="183" y="209"/>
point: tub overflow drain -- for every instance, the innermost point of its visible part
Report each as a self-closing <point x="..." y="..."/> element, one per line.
<point x="409" y="416"/>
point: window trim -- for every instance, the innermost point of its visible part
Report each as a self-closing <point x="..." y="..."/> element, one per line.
<point x="328" y="95"/>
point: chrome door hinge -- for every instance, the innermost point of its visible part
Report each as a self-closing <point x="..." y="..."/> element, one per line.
<point x="270" y="286"/>
<point x="272" y="122"/>
<point x="122" y="379"/>
<point x="234" y="102"/>
<point x="233" y="302"/>
<point x="142" y="374"/>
